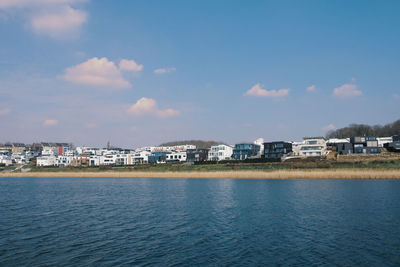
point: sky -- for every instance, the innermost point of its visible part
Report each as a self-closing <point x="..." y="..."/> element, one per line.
<point x="139" y="73"/>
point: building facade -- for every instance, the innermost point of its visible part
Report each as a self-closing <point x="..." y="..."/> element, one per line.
<point x="220" y="152"/>
<point x="277" y="150"/>
<point x="246" y="150"/>
<point x="197" y="155"/>
<point x="310" y="147"/>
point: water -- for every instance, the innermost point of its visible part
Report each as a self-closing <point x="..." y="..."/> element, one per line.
<point x="73" y="221"/>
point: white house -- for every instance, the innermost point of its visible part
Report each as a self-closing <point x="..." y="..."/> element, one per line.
<point x="94" y="160"/>
<point x="384" y="140"/>
<point x="176" y="156"/>
<point x="172" y="148"/>
<point x="310" y="147"/>
<point x="46" y="161"/>
<point x="63" y="161"/>
<point x="108" y="159"/>
<point x="50" y="151"/>
<point x="139" y="157"/>
<point x="5" y="158"/>
<point x="220" y="152"/>
<point x="121" y="159"/>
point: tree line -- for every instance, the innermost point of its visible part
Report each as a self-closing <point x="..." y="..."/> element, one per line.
<point x="389" y="129"/>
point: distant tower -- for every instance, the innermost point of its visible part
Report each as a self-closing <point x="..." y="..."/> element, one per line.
<point x="108" y="145"/>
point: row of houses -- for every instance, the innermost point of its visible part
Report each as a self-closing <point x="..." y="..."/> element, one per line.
<point x="63" y="154"/>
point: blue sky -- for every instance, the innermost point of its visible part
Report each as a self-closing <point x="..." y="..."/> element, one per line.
<point x="140" y="73"/>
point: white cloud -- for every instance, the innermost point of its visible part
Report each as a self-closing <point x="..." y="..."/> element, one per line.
<point x="130" y="65"/>
<point x="311" y="88"/>
<point x="329" y="127"/>
<point x="257" y="90"/>
<point x="4" y="111"/>
<point x="64" y="23"/>
<point x="50" y="122"/>
<point x="54" y="18"/>
<point x="164" y="70"/>
<point x="97" y="72"/>
<point x="347" y="90"/>
<point x="148" y="106"/>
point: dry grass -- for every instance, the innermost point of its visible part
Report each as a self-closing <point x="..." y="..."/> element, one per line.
<point x="283" y="174"/>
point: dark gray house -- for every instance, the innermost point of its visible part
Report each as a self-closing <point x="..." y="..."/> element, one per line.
<point x="395" y="145"/>
<point x="276" y="150"/>
<point x="358" y="145"/>
<point x="197" y="155"/>
<point x="364" y="145"/>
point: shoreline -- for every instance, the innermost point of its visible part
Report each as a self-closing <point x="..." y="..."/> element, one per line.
<point x="282" y="174"/>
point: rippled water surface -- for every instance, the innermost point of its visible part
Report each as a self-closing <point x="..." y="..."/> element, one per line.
<point x="73" y="221"/>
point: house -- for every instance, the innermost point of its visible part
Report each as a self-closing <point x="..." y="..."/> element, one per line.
<point x="384" y="140"/>
<point x="246" y="150"/>
<point x="172" y="148"/>
<point x="19" y="158"/>
<point x="18" y="148"/>
<point x="108" y="159"/>
<point x="64" y="161"/>
<point x="394" y="146"/>
<point x="343" y="148"/>
<point x="176" y="156"/>
<point x="49" y="150"/>
<point x="276" y="150"/>
<point x="140" y="157"/>
<point x="197" y="155"/>
<point x="365" y="145"/>
<point x="121" y="159"/>
<point x="158" y="157"/>
<point x="358" y="145"/>
<point x="220" y="152"/>
<point x="5" y="157"/>
<point x="48" y="160"/>
<point x="81" y="161"/>
<point x="310" y="147"/>
<point x="94" y="160"/>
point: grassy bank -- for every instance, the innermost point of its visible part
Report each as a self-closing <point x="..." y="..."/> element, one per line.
<point x="343" y="167"/>
<point x="236" y="166"/>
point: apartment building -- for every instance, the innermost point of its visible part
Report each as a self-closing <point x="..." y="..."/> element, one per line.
<point x="220" y="152"/>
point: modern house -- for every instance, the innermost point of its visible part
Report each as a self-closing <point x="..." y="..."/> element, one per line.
<point x="47" y="160"/>
<point x="365" y="145"/>
<point x="310" y="147"/>
<point x="384" y="140"/>
<point x="5" y="157"/>
<point x="344" y="148"/>
<point x="197" y="155"/>
<point x="140" y="157"/>
<point x="158" y="157"/>
<point x="64" y="161"/>
<point x="395" y="145"/>
<point x="358" y="145"/>
<point x="176" y="156"/>
<point x="276" y="150"/>
<point x="220" y="152"/>
<point x="246" y="150"/>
